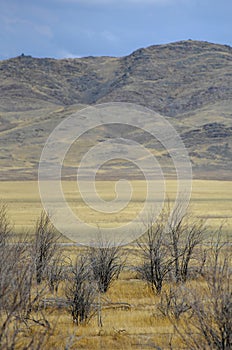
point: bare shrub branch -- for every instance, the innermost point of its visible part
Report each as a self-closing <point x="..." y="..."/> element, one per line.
<point x="210" y="326"/>
<point x="5" y="225"/>
<point x="173" y="302"/>
<point x="18" y="296"/>
<point x="44" y="248"/>
<point x="156" y="261"/>
<point x="184" y="235"/>
<point x="80" y="291"/>
<point x="169" y="246"/>
<point x="55" y="271"/>
<point x="106" y="262"/>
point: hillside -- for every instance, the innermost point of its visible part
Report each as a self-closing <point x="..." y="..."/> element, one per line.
<point x="190" y="82"/>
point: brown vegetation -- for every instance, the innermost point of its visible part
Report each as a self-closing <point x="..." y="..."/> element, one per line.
<point x="193" y="312"/>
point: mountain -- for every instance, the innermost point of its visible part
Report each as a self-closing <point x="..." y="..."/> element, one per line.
<point x="189" y="82"/>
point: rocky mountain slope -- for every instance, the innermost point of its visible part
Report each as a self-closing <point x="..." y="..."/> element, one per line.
<point x="189" y="82"/>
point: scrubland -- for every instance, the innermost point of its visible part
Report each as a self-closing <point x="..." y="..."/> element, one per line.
<point x="194" y="313"/>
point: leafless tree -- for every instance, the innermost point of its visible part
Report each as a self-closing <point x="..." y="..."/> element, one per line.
<point x="18" y="297"/>
<point x="55" y="271"/>
<point x="184" y="235"/>
<point x="169" y="245"/>
<point x="106" y="262"/>
<point x="5" y="225"/>
<point x="173" y="302"/>
<point x="156" y="262"/>
<point x="44" y="247"/>
<point x="80" y="291"/>
<point x="210" y="324"/>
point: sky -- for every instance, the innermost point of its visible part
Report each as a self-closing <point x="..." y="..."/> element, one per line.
<point x="77" y="28"/>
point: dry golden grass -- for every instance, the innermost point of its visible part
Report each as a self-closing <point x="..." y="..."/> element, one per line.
<point x="139" y="327"/>
<point x="210" y="199"/>
<point x="130" y="316"/>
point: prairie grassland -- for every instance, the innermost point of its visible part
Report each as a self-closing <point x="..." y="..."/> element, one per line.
<point x="139" y="325"/>
<point x="130" y="315"/>
<point x="211" y="200"/>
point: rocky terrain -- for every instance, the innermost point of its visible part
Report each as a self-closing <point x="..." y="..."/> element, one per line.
<point x="189" y="82"/>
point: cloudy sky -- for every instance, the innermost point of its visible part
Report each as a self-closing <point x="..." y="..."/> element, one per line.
<point x="75" y="28"/>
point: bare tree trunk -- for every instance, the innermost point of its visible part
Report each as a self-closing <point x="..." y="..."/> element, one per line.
<point x="156" y="262"/>
<point x="18" y="297"/>
<point x="44" y="248"/>
<point x="106" y="262"/>
<point x="210" y="324"/>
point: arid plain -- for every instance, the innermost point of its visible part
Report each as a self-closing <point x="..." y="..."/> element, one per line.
<point x="210" y="200"/>
<point x="188" y="82"/>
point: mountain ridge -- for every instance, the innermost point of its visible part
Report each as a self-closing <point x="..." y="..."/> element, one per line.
<point x="189" y="82"/>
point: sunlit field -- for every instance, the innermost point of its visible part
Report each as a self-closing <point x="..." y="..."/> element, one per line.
<point x="211" y="200"/>
<point x="130" y="319"/>
<point x="131" y="316"/>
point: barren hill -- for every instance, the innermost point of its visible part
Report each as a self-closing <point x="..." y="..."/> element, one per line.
<point x="189" y="82"/>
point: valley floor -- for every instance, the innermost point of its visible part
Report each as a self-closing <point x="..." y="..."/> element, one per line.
<point x="211" y="200"/>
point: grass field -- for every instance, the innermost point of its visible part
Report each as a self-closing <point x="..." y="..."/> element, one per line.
<point x="211" y="200"/>
<point x="140" y="325"/>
